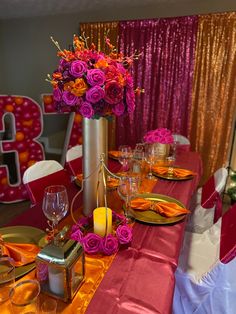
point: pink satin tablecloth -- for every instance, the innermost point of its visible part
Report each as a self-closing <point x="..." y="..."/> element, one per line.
<point x="141" y="278"/>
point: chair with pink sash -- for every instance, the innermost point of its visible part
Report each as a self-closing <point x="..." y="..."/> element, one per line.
<point x="205" y="277"/>
<point x="206" y="205"/>
<point x="74" y="159"/>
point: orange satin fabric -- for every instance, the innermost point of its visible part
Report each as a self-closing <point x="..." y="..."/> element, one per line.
<point x="163" y="208"/>
<point x="178" y="172"/>
<point x="21" y="253"/>
<point x="214" y="92"/>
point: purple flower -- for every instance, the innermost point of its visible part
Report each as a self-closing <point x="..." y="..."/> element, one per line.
<point x="124" y="234"/>
<point x="83" y="221"/>
<point x="94" y="94"/>
<point x="57" y="95"/>
<point x="86" y="110"/>
<point x="42" y="271"/>
<point x="77" y="235"/>
<point x="92" y="243"/>
<point x="78" y="68"/>
<point x="69" y="98"/>
<point x="110" y="245"/>
<point x="63" y="64"/>
<point x="95" y="77"/>
<point x="113" y="92"/>
<point x="119" y="109"/>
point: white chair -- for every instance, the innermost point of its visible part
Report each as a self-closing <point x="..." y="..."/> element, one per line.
<point x="181" y="139"/>
<point x="205" y="277"/>
<point x="41" y="174"/>
<point x="74" y="159"/>
<point x="206" y="204"/>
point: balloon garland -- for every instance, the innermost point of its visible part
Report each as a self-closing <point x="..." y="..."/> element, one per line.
<point x="20" y="137"/>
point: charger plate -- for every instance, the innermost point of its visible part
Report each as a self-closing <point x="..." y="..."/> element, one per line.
<point x="172" y="177"/>
<point x="152" y="217"/>
<point x="23" y="234"/>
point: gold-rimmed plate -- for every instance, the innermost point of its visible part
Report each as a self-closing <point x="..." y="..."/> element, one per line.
<point x="153" y="217"/>
<point x="23" y="234"/>
<point x="172" y="177"/>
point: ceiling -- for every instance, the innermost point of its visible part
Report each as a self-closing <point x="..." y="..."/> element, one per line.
<point x="31" y="8"/>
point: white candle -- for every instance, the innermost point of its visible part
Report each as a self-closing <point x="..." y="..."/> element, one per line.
<point x="56" y="280"/>
<point x="102" y="221"/>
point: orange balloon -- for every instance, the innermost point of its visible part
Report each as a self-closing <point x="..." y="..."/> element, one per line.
<point x="78" y="118"/>
<point x="20" y="136"/>
<point x="9" y="108"/>
<point x="47" y="100"/>
<point x="4" y="181"/>
<point x="19" y="100"/>
<point x="24" y="156"/>
<point x="27" y="123"/>
<point x="31" y="163"/>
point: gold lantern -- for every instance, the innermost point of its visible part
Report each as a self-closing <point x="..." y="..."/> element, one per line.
<point x="60" y="269"/>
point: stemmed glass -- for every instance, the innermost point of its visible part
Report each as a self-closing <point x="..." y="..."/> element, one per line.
<point x="55" y="204"/>
<point x="150" y="157"/>
<point x="128" y="187"/>
<point x="125" y="156"/>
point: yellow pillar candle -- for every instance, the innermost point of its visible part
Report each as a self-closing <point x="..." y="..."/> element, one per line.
<point x="102" y="221"/>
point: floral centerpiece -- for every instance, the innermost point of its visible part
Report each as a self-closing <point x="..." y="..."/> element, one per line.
<point x="95" y="244"/>
<point x="161" y="135"/>
<point x="92" y="83"/>
<point x="161" y="139"/>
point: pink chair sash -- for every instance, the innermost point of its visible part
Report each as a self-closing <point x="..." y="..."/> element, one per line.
<point x="211" y="198"/>
<point x="36" y="188"/>
<point x="74" y="166"/>
<point x="228" y="235"/>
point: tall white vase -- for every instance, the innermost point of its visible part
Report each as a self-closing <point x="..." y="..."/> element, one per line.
<point x="95" y="143"/>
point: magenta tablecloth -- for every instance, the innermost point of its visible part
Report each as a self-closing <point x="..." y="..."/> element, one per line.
<point x="141" y="278"/>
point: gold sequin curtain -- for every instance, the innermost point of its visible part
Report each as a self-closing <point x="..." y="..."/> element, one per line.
<point x="214" y="90"/>
<point x="96" y="33"/>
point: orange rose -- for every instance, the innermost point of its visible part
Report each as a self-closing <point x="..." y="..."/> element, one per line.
<point x="79" y="87"/>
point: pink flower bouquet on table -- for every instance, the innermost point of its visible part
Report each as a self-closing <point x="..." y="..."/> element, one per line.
<point x="161" y="135"/>
<point x="95" y="244"/>
<point x="92" y="83"/>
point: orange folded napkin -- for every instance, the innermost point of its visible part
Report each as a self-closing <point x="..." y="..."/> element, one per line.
<point x="177" y="172"/>
<point x="114" y="153"/>
<point x="22" y="253"/>
<point x="111" y="182"/>
<point x="168" y="209"/>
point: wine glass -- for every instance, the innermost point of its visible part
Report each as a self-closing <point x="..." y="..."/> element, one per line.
<point x="55" y="204"/>
<point x="128" y="187"/>
<point x="125" y="156"/>
<point x="150" y="157"/>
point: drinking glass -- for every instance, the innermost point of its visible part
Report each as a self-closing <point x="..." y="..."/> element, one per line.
<point x="150" y="157"/>
<point x="24" y="297"/>
<point x="128" y="187"/>
<point x="125" y="156"/>
<point x="7" y="277"/>
<point x="55" y="204"/>
<point x="49" y="307"/>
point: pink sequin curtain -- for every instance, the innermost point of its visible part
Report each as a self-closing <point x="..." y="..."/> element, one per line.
<point x="164" y="70"/>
